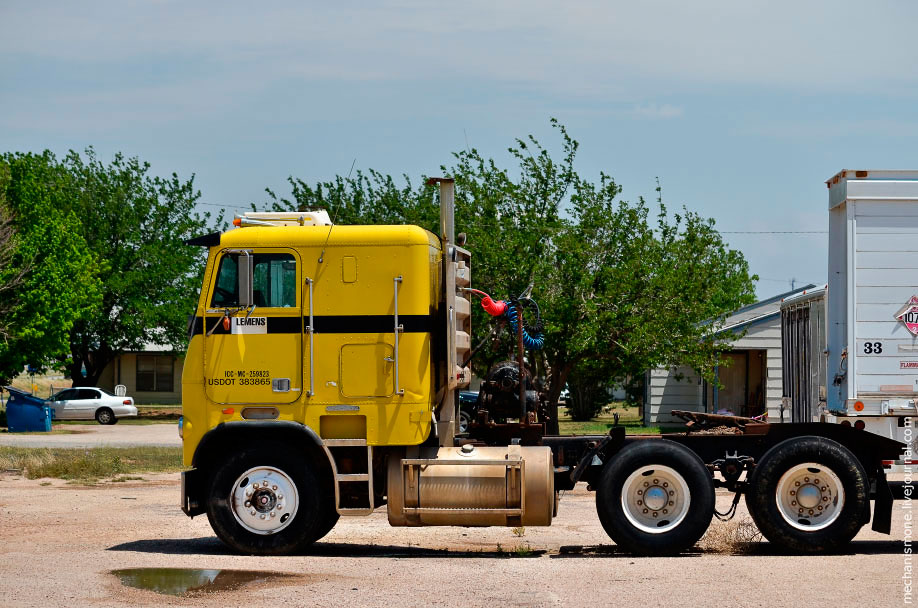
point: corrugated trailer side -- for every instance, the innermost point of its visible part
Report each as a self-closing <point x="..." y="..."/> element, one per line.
<point x="873" y="277"/>
<point x="803" y="345"/>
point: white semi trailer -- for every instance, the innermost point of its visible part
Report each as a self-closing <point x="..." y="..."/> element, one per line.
<point x="872" y="308"/>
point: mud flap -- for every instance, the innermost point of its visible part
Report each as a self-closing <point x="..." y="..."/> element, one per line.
<point x="882" y="506"/>
<point x="193" y="492"/>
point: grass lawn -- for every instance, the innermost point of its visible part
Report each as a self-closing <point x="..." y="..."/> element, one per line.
<point x="89" y="465"/>
<point x="629" y="417"/>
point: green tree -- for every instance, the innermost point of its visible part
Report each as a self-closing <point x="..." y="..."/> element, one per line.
<point x="135" y="223"/>
<point x="622" y="291"/>
<point x="47" y="271"/>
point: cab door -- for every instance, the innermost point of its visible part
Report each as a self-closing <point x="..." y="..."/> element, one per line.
<point x="253" y="355"/>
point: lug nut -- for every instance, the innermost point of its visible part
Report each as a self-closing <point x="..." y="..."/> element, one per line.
<point x="671" y="493"/>
<point x="793" y="503"/>
<point x="656" y="482"/>
<point x="646" y="485"/>
<point x="248" y="504"/>
<point x="280" y="507"/>
<point x="265" y="483"/>
<point x="640" y="502"/>
<point x="816" y="481"/>
<point x="655" y="514"/>
<point x="644" y="511"/>
<point x="639" y="492"/>
<point x="273" y="513"/>
<point x="792" y="492"/>
<point x="671" y="503"/>
<point x="280" y="497"/>
<point x="274" y="487"/>
<point x="248" y="493"/>
<point x="665" y="511"/>
<point x="665" y="484"/>
<point x="262" y="515"/>
<point x="252" y="512"/>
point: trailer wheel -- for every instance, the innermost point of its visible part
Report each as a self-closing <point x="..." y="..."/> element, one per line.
<point x="809" y="495"/>
<point x="266" y="502"/>
<point x="655" y="497"/>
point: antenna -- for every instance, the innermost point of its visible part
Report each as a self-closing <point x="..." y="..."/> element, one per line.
<point x="335" y="221"/>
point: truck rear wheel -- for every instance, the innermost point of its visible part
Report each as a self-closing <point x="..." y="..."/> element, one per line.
<point x="809" y="495"/>
<point x="655" y="497"/>
<point x="266" y="502"/>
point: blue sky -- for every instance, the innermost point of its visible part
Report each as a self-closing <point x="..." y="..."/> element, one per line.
<point x="742" y="109"/>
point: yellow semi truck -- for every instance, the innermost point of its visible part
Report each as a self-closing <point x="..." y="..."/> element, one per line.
<point x="321" y="381"/>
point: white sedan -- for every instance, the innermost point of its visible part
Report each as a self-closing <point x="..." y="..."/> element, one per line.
<point x="86" y="403"/>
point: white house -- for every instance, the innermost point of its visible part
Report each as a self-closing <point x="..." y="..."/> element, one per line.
<point x="750" y="376"/>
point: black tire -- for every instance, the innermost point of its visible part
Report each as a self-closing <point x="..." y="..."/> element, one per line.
<point x="671" y="470"/>
<point x="105" y="415"/>
<point x="328" y="522"/>
<point x="803" y="533"/>
<point x="281" y="463"/>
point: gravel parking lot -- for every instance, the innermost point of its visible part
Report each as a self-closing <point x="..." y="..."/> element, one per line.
<point x="59" y="543"/>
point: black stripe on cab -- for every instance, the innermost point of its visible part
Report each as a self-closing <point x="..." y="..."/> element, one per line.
<point x="329" y="324"/>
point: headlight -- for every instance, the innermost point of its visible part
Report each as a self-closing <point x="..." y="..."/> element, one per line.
<point x="181" y="423"/>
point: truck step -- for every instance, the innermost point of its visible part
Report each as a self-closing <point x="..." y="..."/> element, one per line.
<point x="342" y="443"/>
<point x="346" y="511"/>
<point x="353" y="477"/>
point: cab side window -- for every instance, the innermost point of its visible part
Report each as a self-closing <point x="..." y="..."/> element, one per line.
<point x="226" y="288"/>
<point x="274" y="280"/>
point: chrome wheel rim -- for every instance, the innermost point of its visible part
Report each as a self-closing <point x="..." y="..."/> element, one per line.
<point x="264" y="500"/>
<point x="810" y="496"/>
<point x="655" y="499"/>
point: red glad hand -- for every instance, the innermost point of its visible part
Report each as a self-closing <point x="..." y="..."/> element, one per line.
<point x="495" y="309"/>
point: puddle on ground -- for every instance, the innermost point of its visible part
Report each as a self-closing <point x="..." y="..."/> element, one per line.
<point x="187" y="581"/>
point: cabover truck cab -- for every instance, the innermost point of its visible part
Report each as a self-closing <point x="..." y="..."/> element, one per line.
<point x="320" y="381"/>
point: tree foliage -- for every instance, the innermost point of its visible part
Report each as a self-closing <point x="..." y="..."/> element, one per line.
<point x="136" y="224"/>
<point x="47" y="271"/>
<point x="622" y="289"/>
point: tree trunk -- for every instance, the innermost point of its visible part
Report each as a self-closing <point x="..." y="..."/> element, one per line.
<point x="559" y="373"/>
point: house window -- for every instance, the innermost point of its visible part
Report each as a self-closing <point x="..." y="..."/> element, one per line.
<point x="154" y="373"/>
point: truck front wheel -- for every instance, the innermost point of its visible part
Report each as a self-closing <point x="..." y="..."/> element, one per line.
<point x="655" y="497"/>
<point x="808" y="495"/>
<point x="265" y="501"/>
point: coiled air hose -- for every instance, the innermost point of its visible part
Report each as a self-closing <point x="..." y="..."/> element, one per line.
<point x="533" y="334"/>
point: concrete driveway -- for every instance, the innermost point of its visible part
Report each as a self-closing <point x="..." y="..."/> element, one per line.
<point x="96" y="435"/>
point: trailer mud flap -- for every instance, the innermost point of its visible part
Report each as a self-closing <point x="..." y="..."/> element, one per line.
<point x="882" y="506"/>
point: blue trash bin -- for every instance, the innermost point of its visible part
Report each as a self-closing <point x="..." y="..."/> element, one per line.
<point x="26" y="413"/>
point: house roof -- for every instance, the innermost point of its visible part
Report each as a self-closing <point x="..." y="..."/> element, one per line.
<point x="762" y="311"/>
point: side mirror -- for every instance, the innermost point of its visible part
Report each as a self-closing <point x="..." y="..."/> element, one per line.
<point x="246" y="268"/>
